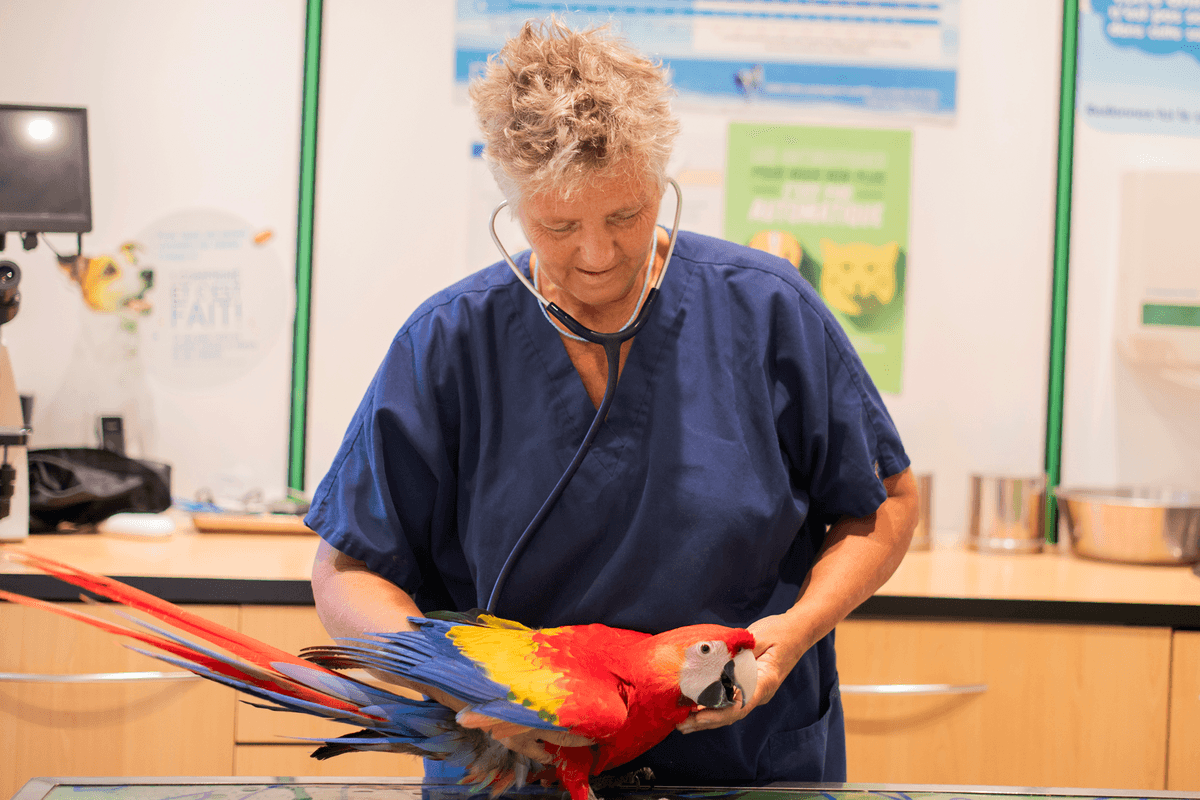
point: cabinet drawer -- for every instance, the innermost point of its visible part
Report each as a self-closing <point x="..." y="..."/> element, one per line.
<point x="294" y="760"/>
<point x="1065" y="705"/>
<point x="113" y="728"/>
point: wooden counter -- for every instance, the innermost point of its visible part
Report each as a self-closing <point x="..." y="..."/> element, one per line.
<point x="184" y="567"/>
<point x="946" y="583"/>
<point x="1053" y="586"/>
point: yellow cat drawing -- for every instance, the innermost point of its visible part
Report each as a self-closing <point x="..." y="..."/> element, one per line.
<point x="854" y="273"/>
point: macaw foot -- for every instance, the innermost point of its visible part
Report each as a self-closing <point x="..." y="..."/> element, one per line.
<point x="572" y="795"/>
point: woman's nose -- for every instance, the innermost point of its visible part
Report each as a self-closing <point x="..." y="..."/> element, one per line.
<point x="597" y="247"/>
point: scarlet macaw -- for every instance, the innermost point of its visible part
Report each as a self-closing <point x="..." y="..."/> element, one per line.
<point x="621" y="691"/>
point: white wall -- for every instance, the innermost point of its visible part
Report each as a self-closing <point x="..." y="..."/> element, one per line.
<point x="1123" y="425"/>
<point x="398" y="204"/>
<point x="391" y="194"/>
<point x="976" y="355"/>
<point x="196" y="105"/>
<point x="193" y="104"/>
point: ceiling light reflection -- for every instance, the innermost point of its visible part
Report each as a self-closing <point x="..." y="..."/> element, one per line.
<point x="41" y="129"/>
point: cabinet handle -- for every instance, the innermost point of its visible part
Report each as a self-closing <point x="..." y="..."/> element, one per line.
<point x="96" y="677"/>
<point x="915" y="688"/>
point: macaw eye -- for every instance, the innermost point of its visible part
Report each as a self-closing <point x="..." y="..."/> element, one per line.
<point x="705" y="649"/>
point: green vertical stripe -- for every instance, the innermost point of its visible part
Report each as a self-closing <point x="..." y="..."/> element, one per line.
<point x="1062" y="246"/>
<point x="304" y="244"/>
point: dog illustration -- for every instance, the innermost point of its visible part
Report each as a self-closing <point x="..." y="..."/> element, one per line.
<point x="105" y="374"/>
<point x="112" y="285"/>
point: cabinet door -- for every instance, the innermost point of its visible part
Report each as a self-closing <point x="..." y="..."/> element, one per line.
<point x="102" y="729"/>
<point x="1065" y="705"/>
<point x="264" y="747"/>
<point x="295" y="761"/>
<point x="1183" y="763"/>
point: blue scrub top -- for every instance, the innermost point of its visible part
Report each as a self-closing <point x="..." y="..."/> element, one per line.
<point x="743" y="425"/>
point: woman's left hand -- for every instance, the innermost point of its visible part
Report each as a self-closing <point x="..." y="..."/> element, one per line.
<point x="856" y="558"/>
<point x="776" y="652"/>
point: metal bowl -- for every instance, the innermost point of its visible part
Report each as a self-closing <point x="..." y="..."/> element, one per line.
<point x="1007" y="513"/>
<point x="923" y="535"/>
<point x="1132" y="525"/>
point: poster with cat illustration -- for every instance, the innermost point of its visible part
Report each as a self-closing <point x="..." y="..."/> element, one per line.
<point x="834" y="202"/>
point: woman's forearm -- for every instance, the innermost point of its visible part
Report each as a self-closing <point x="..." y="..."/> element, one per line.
<point x="858" y="557"/>
<point x="352" y="601"/>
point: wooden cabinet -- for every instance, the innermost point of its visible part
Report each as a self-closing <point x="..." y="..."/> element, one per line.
<point x="1183" y="762"/>
<point x="1065" y="705"/>
<point x="266" y="739"/>
<point x="101" y="729"/>
<point x="177" y="727"/>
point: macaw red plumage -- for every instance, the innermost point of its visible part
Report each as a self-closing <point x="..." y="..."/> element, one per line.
<point x="622" y="691"/>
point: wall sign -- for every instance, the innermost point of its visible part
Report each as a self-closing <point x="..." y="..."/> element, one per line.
<point x="1139" y="66"/>
<point x="834" y="202"/>
<point x="223" y="298"/>
<point x="874" y="55"/>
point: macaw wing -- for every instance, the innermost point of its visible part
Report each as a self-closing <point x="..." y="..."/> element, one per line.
<point x="438" y="655"/>
<point x="598" y="715"/>
<point x="510" y="678"/>
<point x="558" y="673"/>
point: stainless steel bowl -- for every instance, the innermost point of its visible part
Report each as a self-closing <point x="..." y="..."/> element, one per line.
<point x="923" y="535"/>
<point x="1132" y="525"/>
<point x="1007" y="513"/>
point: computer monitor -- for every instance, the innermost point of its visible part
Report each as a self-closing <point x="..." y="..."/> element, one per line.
<point x="45" y="184"/>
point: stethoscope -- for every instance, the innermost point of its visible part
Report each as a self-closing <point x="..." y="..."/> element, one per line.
<point x="612" y="352"/>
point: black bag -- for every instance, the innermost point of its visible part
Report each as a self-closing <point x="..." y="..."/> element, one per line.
<point x="83" y="486"/>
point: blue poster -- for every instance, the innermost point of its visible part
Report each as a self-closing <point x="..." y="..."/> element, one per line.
<point x="875" y="55"/>
<point x="1139" y="66"/>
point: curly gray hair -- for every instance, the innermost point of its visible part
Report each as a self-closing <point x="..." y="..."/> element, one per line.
<point x="560" y="109"/>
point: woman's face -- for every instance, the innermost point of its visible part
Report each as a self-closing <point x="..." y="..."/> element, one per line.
<point x="591" y="249"/>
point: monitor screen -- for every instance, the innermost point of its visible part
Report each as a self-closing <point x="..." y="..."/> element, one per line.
<point x="44" y="179"/>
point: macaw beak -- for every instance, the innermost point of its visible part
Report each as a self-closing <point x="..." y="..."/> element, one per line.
<point x="740" y="673"/>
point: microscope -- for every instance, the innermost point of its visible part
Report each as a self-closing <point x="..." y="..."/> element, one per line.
<point x="45" y="187"/>
<point x="15" y="413"/>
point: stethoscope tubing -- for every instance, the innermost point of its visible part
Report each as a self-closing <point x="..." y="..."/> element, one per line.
<point x="612" y="352"/>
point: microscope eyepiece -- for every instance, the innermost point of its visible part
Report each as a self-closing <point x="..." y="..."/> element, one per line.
<point x="10" y="297"/>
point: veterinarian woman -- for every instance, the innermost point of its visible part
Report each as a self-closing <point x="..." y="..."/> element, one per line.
<point x="747" y="472"/>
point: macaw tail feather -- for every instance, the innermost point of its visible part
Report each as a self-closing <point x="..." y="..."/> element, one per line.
<point x="253" y="663"/>
<point x="237" y="643"/>
<point x="308" y="684"/>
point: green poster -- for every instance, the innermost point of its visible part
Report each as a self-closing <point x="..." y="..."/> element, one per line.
<point x="834" y="202"/>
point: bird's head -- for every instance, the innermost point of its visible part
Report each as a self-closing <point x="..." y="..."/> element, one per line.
<point x="713" y="662"/>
